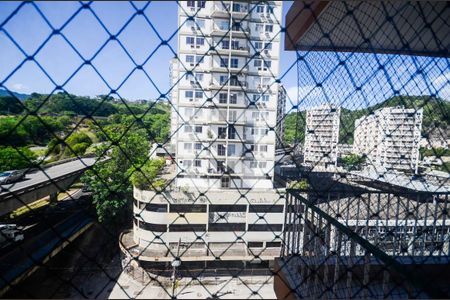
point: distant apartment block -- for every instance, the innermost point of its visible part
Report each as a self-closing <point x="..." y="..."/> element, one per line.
<point x="322" y="136"/>
<point x="390" y="138"/>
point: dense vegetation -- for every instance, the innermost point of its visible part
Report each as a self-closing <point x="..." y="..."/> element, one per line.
<point x="69" y="125"/>
<point x="436" y="113"/>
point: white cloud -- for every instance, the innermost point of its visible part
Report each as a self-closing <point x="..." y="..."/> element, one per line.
<point x="19" y="87"/>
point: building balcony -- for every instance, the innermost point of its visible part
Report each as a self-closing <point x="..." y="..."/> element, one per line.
<point x="234" y="51"/>
<point x="365" y="245"/>
<point x="241" y="33"/>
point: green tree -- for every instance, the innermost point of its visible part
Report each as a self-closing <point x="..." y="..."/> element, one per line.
<point x="10" y="105"/>
<point x="146" y="176"/>
<point x="16" y="158"/>
<point x="352" y="161"/>
<point x="110" y="180"/>
<point x="77" y="143"/>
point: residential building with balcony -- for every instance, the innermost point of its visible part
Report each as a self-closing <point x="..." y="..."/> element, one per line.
<point x="226" y="114"/>
<point x="224" y="123"/>
<point x="390" y="138"/>
<point x="322" y="136"/>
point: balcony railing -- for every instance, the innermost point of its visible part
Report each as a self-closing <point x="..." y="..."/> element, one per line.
<point x="370" y="245"/>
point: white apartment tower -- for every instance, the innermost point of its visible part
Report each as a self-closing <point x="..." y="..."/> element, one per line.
<point x="390" y="138"/>
<point x="224" y="122"/>
<point x="322" y="136"/>
<point x="225" y="100"/>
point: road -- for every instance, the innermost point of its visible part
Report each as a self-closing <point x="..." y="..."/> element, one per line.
<point x="47" y="174"/>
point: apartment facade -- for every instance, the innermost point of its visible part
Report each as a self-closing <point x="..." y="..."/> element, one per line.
<point x="322" y="136"/>
<point x="224" y="125"/>
<point x="224" y="120"/>
<point x="390" y="138"/>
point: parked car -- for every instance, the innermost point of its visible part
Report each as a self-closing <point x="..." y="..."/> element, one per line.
<point x="11" y="176"/>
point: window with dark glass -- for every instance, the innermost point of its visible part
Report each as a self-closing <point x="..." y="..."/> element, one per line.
<point x="186" y="208"/>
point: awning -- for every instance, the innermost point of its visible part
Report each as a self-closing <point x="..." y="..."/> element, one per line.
<point x="397" y="27"/>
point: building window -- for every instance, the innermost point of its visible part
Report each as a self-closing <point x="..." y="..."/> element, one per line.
<point x="257" y="63"/>
<point x="198" y="129"/>
<point x="152" y="227"/>
<point x="231" y="133"/>
<point x="221" y="150"/>
<point x="234" y="63"/>
<point x="189" y="94"/>
<point x="190" y="4"/>
<point x="255" y="244"/>
<point x="199" y="59"/>
<point x="225" y="182"/>
<point x="201" y="4"/>
<point x="269" y="28"/>
<point x="259" y="8"/>
<point x="262" y="148"/>
<point x="186" y="208"/>
<point x="222" y="132"/>
<point x="269" y="46"/>
<point x="198" y="146"/>
<point x="156" y="207"/>
<point x="233" y="98"/>
<point x="187" y="129"/>
<point x="273" y="244"/>
<point x="232" y="114"/>
<point x="190" y="59"/>
<point x="200" y="41"/>
<point x="226" y="226"/>
<point x="259" y="27"/>
<point x="227" y="208"/>
<point x="258" y="45"/>
<point x="223" y="63"/>
<point x="188" y="147"/>
<point x="265" y="208"/>
<point x="234" y="44"/>
<point x="190" y="40"/>
<point x="253" y="164"/>
<point x="231" y="150"/>
<point x="223" y="79"/>
<point x="186" y="227"/>
<point x="223" y="98"/>
<point x="198" y="95"/>
<point x="262" y="164"/>
<point x="225" y="44"/>
<point x="265" y="227"/>
<point x="265" y="98"/>
<point x="197" y="163"/>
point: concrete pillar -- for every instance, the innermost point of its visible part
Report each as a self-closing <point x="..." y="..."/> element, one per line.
<point x="53" y="198"/>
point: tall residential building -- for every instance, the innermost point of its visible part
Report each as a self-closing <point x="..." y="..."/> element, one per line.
<point x="226" y="96"/>
<point x="224" y="125"/>
<point x="322" y="136"/>
<point x="390" y="138"/>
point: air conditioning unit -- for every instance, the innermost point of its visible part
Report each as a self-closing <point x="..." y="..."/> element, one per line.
<point x="267" y="34"/>
<point x="193" y="28"/>
<point x="191" y="100"/>
<point x="267" y="52"/>
<point x="192" y="46"/>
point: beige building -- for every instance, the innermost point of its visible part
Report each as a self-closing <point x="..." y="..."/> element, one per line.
<point x="322" y="136"/>
<point x="390" y="138"/>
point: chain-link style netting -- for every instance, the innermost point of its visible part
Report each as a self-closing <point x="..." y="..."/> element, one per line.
<point x="247" y="175"/>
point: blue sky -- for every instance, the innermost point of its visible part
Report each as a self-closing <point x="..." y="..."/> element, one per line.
<point x="29" y="30"/>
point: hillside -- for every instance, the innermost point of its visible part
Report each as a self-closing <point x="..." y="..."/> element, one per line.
<point x="20" y="96"/>
<point x="436" y="115"/>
